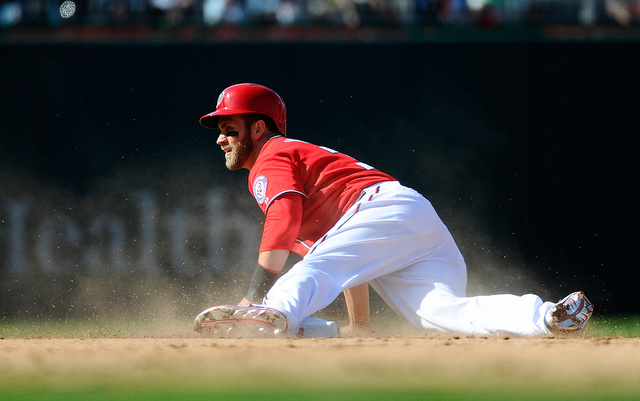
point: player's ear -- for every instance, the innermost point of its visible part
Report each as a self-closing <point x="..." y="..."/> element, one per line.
<point x="259" y="129"/>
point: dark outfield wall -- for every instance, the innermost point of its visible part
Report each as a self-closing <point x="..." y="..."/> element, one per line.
<point x="112" y="196"/>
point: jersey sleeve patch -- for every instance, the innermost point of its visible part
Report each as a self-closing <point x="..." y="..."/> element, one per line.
<point x="260" y="189"/>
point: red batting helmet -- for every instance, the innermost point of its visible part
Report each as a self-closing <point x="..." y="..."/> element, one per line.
<point x="248" y="99"/>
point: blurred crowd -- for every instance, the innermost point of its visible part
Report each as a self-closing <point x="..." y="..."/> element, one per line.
<point x="347" y="13"/>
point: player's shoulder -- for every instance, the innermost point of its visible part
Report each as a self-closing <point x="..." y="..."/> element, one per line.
<point x="295" y="142"/>
<point x="285" y="144"/>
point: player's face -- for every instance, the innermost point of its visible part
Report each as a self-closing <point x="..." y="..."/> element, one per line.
<point x="235" y="141"/>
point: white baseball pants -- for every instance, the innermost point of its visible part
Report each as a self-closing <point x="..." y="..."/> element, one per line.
<point x="393" y="239"/>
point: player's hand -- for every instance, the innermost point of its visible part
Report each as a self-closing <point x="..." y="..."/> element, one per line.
<point x="244" y="302"/>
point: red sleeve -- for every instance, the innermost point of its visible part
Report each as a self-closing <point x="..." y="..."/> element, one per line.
<point x="282" y="222"/>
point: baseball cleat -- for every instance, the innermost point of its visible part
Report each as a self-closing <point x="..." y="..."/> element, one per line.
<point x="570" y="315"/>
<point x="213" y="316"/>
<point x="241" y="321"/>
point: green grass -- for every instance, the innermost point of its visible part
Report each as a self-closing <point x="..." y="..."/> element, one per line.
<point x="92" y="328"/>
<point x="613" y="326"/>
<point x="333" y="395"/>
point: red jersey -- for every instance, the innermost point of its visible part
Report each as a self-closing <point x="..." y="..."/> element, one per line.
<point x="329" y="182"/>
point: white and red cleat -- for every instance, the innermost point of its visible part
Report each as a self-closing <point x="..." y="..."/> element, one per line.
<point x="241" y="321"/>
<point x="570" y="315"/>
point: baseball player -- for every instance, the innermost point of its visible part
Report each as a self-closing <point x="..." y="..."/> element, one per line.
<point x="353" y="225"/>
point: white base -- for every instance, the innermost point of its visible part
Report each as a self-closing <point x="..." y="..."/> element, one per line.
<point x="314" y="327"/>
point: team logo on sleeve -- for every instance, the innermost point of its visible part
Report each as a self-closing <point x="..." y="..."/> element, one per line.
<point x="260" y="188"/>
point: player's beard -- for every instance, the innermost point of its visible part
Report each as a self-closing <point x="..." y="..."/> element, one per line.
<point x="240" y="153"/>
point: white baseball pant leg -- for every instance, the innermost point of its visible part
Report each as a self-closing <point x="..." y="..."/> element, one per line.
<point x="393" y="239"/>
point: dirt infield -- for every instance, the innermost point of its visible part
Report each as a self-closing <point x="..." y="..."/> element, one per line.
<point x="587" y="366"/>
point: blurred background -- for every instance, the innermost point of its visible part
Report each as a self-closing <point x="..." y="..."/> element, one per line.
<point x="309" y="13"/>
<point x="514" y="117"/>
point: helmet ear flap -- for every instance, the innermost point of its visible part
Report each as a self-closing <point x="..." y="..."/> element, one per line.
<point x="248" y="98"/>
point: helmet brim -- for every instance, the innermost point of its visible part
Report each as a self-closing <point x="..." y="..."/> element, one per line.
<point x="211" y="120"/>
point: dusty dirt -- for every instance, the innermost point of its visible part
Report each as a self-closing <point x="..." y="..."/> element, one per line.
<point x="568" y="365"/>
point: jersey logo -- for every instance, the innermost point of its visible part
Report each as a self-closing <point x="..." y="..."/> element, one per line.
<point x="260" y="188"/>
